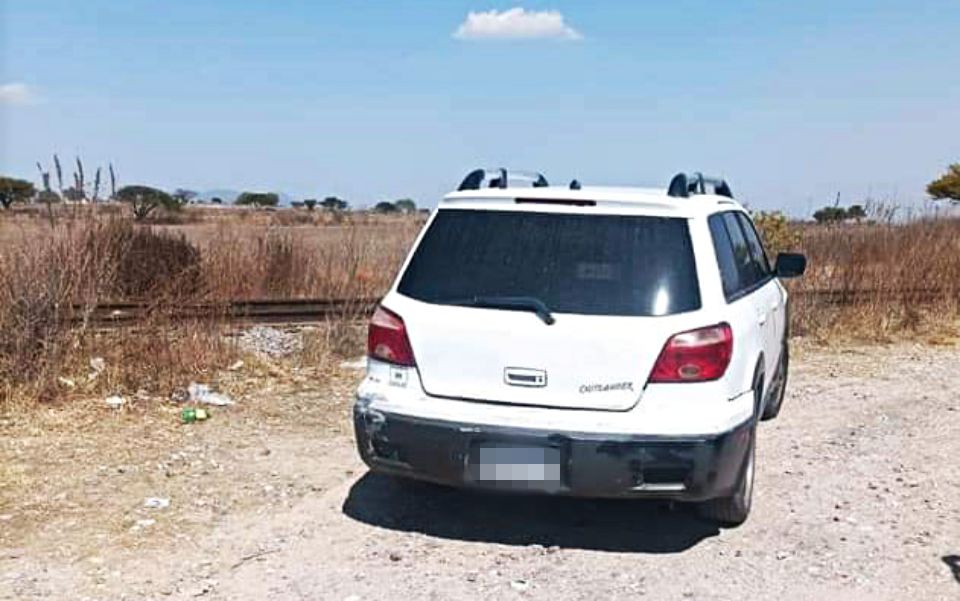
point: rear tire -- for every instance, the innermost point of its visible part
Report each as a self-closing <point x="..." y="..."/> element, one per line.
<point x="772" y="409"/>
<point x="733" y="511"/>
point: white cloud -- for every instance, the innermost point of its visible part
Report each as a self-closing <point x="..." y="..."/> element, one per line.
<point x="516" y="24"/>
<point x="16" y="93"/>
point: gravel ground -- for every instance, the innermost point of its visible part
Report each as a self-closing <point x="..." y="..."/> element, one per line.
<point x="856" y="498"/>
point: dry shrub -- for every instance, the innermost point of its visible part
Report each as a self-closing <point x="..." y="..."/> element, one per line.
<point x="49" y="282"/>
<point x="158" y="355"/>
<point x="149" y="262"/>
<point x="778" y="234"/>
<point x="336" y="262"/>
<point x="41" y="280"/>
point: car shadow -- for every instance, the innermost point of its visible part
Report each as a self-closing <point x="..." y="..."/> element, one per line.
<point x="516" y="519"/>
<point x="953" y="562"/>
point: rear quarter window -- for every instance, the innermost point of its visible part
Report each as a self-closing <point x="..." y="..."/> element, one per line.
<point x="574" y="263"/>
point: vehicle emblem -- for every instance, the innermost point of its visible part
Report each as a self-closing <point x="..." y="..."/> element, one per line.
<point x="588" y="388"/>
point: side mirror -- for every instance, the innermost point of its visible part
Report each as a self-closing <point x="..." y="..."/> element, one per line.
<point x="790" y="265"/>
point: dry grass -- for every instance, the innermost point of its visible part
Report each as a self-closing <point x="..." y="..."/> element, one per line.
<point x="51" y="274"/>
<point x="883" y="280"/>
<point x="879" y="281"/>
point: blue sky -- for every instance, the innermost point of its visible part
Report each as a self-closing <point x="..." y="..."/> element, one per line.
<point x="793" y="102"/>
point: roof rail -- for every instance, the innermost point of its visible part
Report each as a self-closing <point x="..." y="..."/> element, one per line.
<point x="500" y="178"/>
<point x="683" y="185"/>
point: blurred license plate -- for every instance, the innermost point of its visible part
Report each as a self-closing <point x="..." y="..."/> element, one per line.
<point x="539" y="467"/>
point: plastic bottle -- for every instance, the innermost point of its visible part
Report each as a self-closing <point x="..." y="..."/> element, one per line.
<point x="194" y="414"/>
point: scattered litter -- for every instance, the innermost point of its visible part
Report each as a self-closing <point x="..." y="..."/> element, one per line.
<point x="270" y="342"/>
<point x="358" y="364"/>
<point x="192" y="414"/>
<point x="6" y="517"/>
<point x="67" y="382"/>
<point x="236" y="366"/>
<point x="201" y="393"/>
<point x="97" y="365"/>
<point x="141" y="524"/>
<point x="115" y="401"/>
<point x="519" y="585"/>
<point x="156" y="503"/>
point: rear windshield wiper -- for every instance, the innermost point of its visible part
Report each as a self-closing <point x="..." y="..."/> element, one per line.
<point x="511" y="303"/>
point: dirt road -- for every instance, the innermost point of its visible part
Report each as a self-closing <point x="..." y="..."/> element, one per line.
<point x="858" y="497"/>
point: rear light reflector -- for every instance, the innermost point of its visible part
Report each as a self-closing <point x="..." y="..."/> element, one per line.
<point x="695" y="356"/>
<point x="387" y="339"/>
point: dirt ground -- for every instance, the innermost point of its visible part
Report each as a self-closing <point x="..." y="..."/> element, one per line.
<point x="856" y="498"/>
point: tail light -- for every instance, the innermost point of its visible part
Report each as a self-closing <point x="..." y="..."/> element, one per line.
<point x="695" y="356"/>
<point x="387" y="339"/>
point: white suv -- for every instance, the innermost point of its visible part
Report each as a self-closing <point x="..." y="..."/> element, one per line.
<point x="600" y="342"/>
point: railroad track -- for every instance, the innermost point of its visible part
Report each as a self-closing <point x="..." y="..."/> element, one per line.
<point x="308" y="311"/>
<point x="263" y="312"/>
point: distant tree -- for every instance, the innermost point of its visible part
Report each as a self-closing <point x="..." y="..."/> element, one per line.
<point x="144" y="199"/>
<point x="830" y="215"/>
<point x="297" y="204"/>
<point x="216" y="200"/>
<point x="14" y="190"/>
<point x="946" y="186"/>
<point x="856" y="212"/>
<point x="385" y="207"/>
<point x="332" y="203"/>
<point x="405" y="205"/>
<point x="182" y="196"/>
<point x="258" y="199"/>
<point x="74" y="194"/>
<point x="310" y="203"/>
<point x="48" y="197"/>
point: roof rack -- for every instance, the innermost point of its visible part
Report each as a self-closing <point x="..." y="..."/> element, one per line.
<point x="501" y="178"/>
<point x="683" y="185"/>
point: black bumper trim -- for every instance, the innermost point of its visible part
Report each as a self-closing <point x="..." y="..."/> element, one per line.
<point x="688" y="468"/>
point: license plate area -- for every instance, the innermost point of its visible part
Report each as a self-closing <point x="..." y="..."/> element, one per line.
<point x="516" y="467"/>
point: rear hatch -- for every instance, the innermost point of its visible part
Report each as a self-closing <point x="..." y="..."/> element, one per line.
<point x="551" y="309"/>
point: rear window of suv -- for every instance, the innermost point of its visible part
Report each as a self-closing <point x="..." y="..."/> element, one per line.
<point x="573" y="263"/>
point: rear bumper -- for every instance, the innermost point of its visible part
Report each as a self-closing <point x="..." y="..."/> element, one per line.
<point x="693" y="468"/>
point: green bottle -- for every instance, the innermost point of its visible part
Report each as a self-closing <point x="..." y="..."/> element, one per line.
<point x="191" y="414"/>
